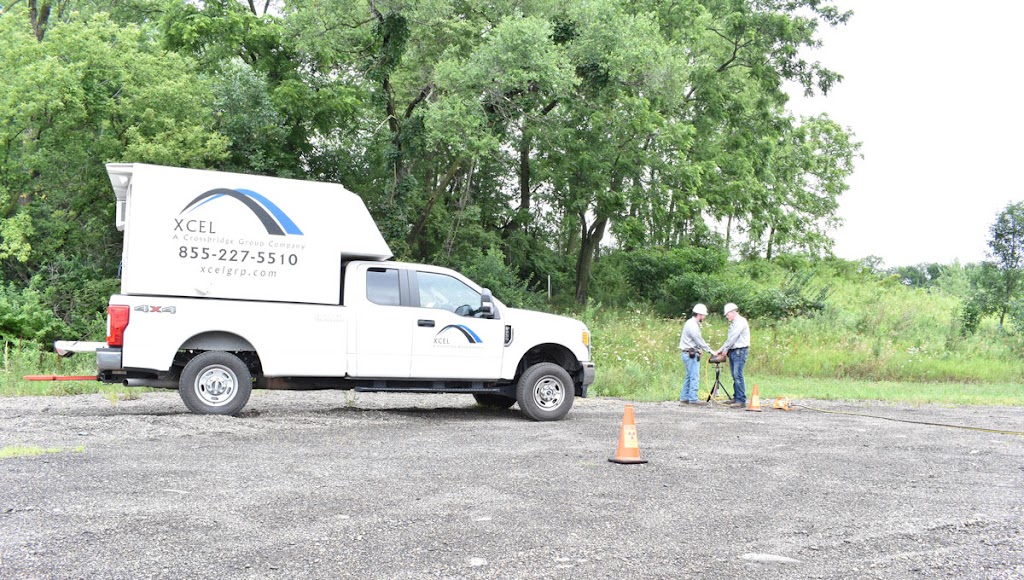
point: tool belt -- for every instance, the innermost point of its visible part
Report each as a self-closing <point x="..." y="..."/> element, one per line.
<point x="693" y="352"/>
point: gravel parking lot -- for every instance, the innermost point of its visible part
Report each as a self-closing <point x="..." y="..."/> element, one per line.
<point x="344" y="485"/>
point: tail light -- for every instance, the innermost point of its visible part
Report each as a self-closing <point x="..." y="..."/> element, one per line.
<point x="117" y="321"/>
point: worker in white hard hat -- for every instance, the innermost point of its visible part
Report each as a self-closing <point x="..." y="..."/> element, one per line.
<point x="737" y="345"/>
<point x="691" y="346"/>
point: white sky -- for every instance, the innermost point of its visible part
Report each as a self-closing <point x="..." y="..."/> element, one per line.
<point x="933" y="91"/>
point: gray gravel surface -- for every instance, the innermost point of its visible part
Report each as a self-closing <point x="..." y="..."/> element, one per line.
<point x="342" y="485"/>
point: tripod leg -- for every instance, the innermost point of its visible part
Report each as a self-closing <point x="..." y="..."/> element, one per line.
<point x="717" y="385"/>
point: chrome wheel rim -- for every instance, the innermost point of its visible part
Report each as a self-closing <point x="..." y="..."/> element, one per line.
<point x="548" y="392"/>
<point x="216" y="386"/>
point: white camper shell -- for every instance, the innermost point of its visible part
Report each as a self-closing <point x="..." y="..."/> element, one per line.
<point x="207" y="234"/>
<point x="232" y="282"/>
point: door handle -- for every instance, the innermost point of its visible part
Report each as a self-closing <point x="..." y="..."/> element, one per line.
<point x="426" y="323"/>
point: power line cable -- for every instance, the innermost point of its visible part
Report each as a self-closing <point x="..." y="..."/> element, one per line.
<point x="968" y="427"/>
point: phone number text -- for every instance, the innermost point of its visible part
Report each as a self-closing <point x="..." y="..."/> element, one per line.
<point x="241" y="256"/>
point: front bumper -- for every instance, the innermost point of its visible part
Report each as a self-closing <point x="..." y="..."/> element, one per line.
<point x="588" y="376"/>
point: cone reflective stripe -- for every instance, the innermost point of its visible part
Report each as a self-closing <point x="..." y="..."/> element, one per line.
<point x="755" y="401"/>
<point x="629" y="442"/>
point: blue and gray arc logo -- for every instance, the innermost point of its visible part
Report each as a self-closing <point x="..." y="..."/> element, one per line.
<point x="465" y="331"/>
<point x="273" y="219"/>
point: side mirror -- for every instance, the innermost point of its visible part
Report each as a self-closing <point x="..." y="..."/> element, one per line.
<point x="486" y="304"/>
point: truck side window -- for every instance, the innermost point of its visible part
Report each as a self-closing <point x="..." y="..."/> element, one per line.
<point x="382" y="286"/>
<point x="447" y="293"/>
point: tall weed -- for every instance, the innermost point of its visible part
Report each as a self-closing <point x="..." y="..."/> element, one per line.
<point x="22" y="358"/>
<point x="868" y="332"/>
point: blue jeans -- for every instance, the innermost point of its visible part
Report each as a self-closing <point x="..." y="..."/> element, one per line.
<point x="737" y="360"/>
<point x="692" y="380"/>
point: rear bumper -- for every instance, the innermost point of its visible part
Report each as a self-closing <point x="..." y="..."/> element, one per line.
<point x="67" y="348"/>
<point x="108" y="359"/>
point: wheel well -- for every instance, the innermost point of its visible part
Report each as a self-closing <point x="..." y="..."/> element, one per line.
<point x="222" y="341"/>
<point x="557" y="354"/>
<point x="217" y="340"/>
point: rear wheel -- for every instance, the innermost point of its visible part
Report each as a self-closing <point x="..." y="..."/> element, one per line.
<point x="494" y="401"/>
<point x="215" y="383"/>
<point x="545" y="392"/>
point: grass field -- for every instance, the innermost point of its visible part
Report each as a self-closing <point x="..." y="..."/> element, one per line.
<point x="889" y="351"/>
<point x="886" y="358"/>
<point x="770" y="387"/>
<point x="21" y="360"/>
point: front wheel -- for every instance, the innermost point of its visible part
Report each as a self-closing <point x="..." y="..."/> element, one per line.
<point x="215" y="383"/>
<point x="545" y="392"/>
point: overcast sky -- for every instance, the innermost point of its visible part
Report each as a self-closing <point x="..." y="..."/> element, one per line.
<point x="933" y="91"/>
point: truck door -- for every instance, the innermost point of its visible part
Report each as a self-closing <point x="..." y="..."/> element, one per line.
<point x="451" y="339"/>
<point x="383" y="344"/>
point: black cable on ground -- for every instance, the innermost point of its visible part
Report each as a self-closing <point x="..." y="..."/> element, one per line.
<point x="983" y="429"/>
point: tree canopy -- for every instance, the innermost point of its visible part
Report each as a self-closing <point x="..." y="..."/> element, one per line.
<point x="546" y="134"/>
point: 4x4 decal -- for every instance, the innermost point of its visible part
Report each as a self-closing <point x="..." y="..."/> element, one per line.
<point x="148" y="308"/>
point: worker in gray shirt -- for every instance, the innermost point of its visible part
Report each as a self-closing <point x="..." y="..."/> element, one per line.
<point x="691" y="345"/>
<point x="737" y="345"/>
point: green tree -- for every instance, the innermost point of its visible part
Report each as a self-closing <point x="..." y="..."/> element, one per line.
<point x="804" y="171"/>
<point x="273" y="100"/>
<point x="1007" y="250"/>
<point x="90" y="92"/>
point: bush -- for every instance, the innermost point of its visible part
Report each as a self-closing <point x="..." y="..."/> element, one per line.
<point x="610" y="285"/>
<point x="797" y="297"/>
<point x="24" y="315"/>
<point x="967" y="317"/>
<point x="714" y="290"/>
<point x="490" y="271"/>
<point x="649" y="271"/>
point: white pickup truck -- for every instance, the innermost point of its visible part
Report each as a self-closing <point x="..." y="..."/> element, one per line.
<point x="232" y="282"/>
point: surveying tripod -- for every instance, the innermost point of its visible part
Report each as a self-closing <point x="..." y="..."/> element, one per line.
<point x="718" y="382"/>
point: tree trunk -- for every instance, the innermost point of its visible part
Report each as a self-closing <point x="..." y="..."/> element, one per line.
<point x="524" y="173"/>
<point x="592" y="237"/>
<point x="417" y="229"/>
<point x="522" y="213"/>
<point x="39" y="15"/>
<point x="393" y="31"/>
<point x="728" y="233"/>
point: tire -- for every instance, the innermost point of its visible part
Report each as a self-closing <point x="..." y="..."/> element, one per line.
<point x="545" y="392"/>
<point x="215" y="383"/>
<point x="494" y="401"/>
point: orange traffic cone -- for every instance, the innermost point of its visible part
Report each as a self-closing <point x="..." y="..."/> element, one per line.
<point x="755" y="401"/>
<point x="629" y="443"/>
